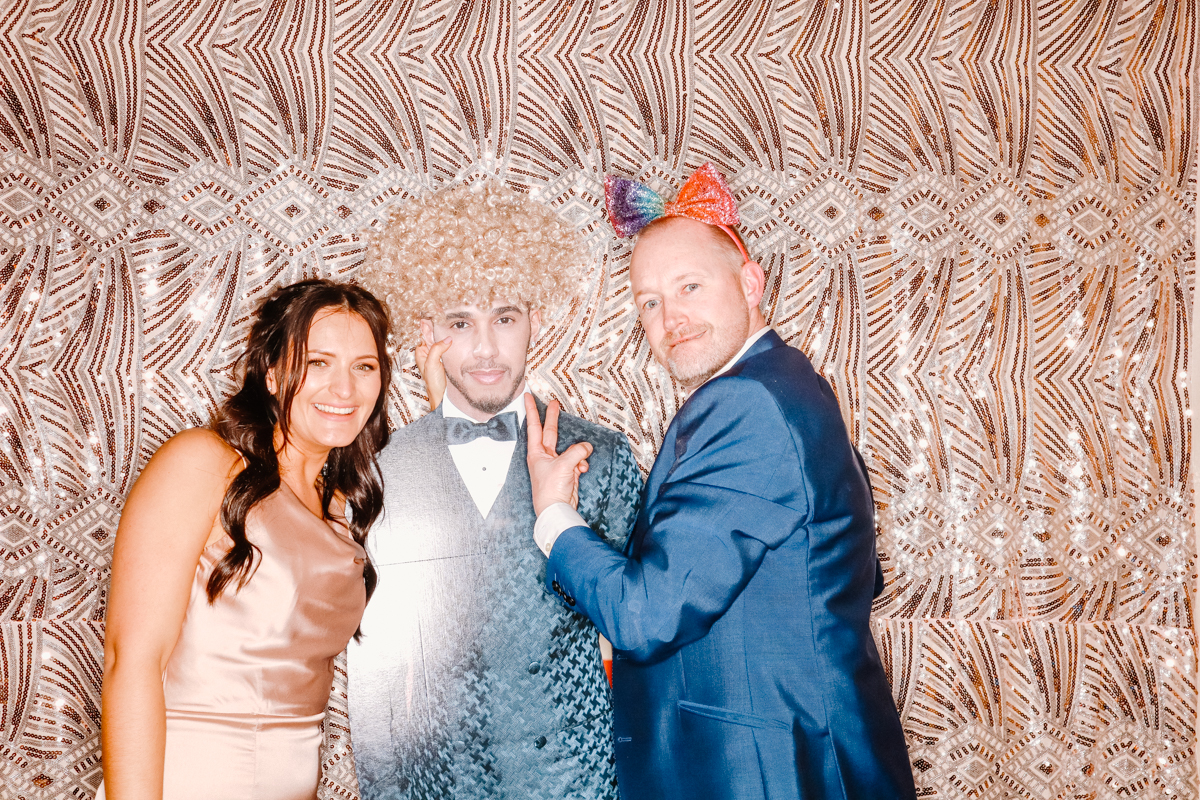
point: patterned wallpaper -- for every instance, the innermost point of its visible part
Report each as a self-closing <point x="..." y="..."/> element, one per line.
<point x="976" y="218"/>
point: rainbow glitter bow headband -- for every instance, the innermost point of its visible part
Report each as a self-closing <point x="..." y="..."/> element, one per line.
<point x="704" y="197"/>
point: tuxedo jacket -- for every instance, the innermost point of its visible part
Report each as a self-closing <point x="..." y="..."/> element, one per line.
<point x="471" y="680"/>
<point x="744" y="666"/>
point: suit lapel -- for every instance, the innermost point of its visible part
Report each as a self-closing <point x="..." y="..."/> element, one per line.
<point x="654" y="481"/>
<point x="768" y="341"/>
<point x="505" y="519"/>
<point x="516" y="482"/>
<point x="460" y="494"/>
<point x="673" y="446"/>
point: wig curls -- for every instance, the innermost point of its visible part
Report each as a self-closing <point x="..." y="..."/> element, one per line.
<point x="471" y="245"/>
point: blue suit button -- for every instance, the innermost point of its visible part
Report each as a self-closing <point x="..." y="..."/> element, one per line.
<point x="534" y="668"/>
<point x="539" y="742"/>
<point x="570" y="601"/>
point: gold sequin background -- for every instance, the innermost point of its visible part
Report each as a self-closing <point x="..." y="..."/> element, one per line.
<point x="976" y="218"/>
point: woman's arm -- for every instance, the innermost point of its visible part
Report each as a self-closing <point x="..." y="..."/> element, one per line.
<point x="169" y="517"/>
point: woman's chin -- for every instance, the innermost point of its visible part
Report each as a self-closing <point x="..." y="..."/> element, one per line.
<point x="334" y="442"/>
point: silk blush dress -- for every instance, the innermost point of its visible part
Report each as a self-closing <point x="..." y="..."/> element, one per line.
<point x="248" y="681"/>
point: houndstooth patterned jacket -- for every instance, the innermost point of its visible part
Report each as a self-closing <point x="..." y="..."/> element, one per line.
<point x="471" y="680"/>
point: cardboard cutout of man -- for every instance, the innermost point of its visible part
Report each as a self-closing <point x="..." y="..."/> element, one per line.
<point x="744" y="665"/>
<point x="472" y="680"/>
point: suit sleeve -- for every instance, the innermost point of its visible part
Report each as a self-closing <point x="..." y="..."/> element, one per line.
<point x="709" y="527"/>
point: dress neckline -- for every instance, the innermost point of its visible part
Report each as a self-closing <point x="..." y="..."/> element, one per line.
<point x="338" y="529"/>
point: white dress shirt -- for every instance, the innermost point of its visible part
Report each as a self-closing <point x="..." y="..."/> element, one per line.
<point x="483" y="463"/>
<point x="560" y="517"/>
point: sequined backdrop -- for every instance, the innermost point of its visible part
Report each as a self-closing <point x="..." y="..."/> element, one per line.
<point x="976" y="219"/>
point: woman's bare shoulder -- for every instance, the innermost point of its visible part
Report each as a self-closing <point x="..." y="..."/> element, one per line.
<point x="180" y="491"/>
<point x="198" y="451"/>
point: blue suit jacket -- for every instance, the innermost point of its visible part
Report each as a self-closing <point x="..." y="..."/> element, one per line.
<point x="744" y="666"/>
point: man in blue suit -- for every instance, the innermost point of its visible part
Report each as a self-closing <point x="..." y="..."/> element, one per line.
<point x="744" y="666"/>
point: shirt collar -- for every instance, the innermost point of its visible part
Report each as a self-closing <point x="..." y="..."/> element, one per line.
<point x="517" y="405"/>
<point x="750" y="340"/>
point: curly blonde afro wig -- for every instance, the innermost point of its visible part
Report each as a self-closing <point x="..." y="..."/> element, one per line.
<point x="471" y="245"/>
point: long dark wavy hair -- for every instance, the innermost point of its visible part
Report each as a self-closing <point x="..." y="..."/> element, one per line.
<point x="247" y="420"/>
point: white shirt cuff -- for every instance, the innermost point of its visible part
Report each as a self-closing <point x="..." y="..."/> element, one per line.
<point x="552" y="522"/>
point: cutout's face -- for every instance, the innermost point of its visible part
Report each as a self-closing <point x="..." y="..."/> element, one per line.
<point x="696" y="308"/>
<point x="341" y="383"/>
<point x="485" y="364"/>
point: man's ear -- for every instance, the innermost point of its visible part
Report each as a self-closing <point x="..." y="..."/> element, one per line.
<point x="427" y="332"/>
<point x="754" y="283"/>
<point x="535" y="324"/>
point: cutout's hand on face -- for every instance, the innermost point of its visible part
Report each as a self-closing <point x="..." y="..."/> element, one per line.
<point x="554" y="476"/>
<point x="433" y="372"/>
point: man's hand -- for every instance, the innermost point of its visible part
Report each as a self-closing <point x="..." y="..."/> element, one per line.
<point x="429" y="364"/>
<point x="554" y="476"/>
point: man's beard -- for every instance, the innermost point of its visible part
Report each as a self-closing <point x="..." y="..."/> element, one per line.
<point x="497" y="398"/>
<point x="696" y="368"/>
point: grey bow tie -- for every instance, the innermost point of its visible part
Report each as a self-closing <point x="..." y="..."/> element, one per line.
<point x="502" y="428"/>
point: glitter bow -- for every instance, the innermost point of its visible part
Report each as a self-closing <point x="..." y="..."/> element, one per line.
<point x="704" y="197"/>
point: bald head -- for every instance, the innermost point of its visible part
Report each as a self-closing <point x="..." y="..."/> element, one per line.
<point x="719" y="242"/>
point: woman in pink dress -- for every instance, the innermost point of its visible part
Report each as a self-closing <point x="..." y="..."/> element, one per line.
<point x="239" y="571"/>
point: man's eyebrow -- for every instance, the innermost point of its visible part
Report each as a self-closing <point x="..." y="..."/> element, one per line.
<point x="457" y="315"/>
<point x="507" y="310"/>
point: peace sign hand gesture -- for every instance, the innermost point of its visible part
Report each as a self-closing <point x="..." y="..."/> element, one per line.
<point x="553" y="475"/>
